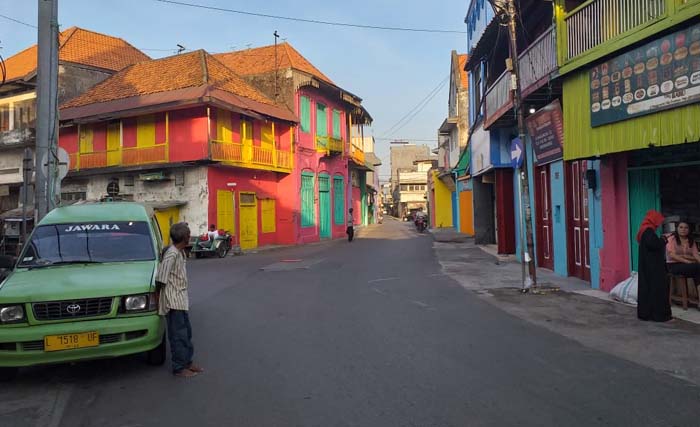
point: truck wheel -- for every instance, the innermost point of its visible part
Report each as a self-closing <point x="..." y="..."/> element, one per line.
<point x="8" y="374"/>
<point x="156" y="357"/>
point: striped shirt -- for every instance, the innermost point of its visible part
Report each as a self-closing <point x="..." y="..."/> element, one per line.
<point x="173" y="273"/>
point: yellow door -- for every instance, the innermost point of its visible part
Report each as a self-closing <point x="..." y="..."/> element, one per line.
<point x="225" y="211"/>
<point x="247" y="140"/>
<point x="248" y="220"/>
<point x="166" y="218"/>
<point x="114" y="145"/>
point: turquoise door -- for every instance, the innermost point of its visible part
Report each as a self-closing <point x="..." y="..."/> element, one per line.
<point x="324" y="202"/>
<point x="644" y="195"/>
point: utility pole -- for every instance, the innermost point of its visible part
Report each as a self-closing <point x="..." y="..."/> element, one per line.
<point x="47" y="114"/>
<point x="522" y="133"/>
<point x="507" y="9"/>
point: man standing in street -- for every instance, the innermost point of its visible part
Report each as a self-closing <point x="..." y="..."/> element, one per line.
<point x="350" y="231"/>
<point x="174" y="302"/>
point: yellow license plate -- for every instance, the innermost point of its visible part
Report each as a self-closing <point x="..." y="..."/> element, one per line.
<point x="71" y="341"/>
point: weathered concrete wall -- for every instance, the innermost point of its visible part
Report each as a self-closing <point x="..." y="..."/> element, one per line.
<point x="194" y="191"/>
<point x="74" y="80"/>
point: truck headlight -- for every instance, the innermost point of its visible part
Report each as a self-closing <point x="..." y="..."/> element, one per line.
<point x="141" y="302"/>
<point x="136" y="302"/>
<point x="11" y="313"/>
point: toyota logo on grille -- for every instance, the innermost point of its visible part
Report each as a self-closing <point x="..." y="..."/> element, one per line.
<point x="73" y="308"/>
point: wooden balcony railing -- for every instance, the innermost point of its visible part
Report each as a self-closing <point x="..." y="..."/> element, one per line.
<point x="145" y="155"/>
<point x="125" y="157"/>
<point x="537" y="63"/>
<point x="358" y="154"/>
<point x="599" y="21"/>
<point x="498" y="97"/>
<point x="335" y="145"/>
<point x="254" y="157"/>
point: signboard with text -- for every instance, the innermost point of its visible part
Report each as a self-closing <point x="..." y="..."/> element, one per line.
<point x="659" y="75"/>
<point x="546" y="130"/>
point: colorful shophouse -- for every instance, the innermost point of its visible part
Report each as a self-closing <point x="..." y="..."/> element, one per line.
<point x="632" y="119"/>
<point x="192" y="139"/>
<point x="329" y="174"/>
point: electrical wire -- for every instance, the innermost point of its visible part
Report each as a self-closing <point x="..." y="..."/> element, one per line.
<point x="421" y="104"/>
<point x="312" y="21"/>
<point x="90" y="41"/>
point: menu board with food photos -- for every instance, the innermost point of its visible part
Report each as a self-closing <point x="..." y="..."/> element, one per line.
<point x="660" y="75"/>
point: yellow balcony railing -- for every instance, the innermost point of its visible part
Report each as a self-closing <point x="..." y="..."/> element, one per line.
<point x="124" y="157"/>
<point x="253" y="157"/>
<point x="358" y="154"/>
<point x="335" y="145"/>
<point x="145" y="155"/>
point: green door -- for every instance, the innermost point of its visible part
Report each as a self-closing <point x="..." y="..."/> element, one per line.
<point x="644" y="195"/>
<point x="324" y="201"/>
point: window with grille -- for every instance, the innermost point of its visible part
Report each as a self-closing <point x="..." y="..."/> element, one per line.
<point x="307" y="200"/>
<point x="247" y="199"/>
<point x="339" y="200"/>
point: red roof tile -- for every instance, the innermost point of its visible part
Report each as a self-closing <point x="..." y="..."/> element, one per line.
<point x="79" y="46"/>
<point x="169" y="75"/>
<point x="261" y="60"/>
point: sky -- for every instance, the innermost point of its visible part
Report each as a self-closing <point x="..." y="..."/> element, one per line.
<point x="391" y="71"/>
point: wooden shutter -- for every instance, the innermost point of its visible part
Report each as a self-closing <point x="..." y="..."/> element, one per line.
<point x="86" y="136"/>
<point x="268" y="135"/>
<point x="223" y="126"/>
<point x="321" y="120"/>
<point x="146" y="131"/>
<point x="305" y="113"/>
<point x="336" y="124"/>
<point x="267" y="206"/>
<point x="338" y="200"/>
<point x="225" y="211"/>
<point x="307" y="200"/>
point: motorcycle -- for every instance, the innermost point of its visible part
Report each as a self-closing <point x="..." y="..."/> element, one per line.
<point x="420" y="224"/>
<point x="204" y="245"/>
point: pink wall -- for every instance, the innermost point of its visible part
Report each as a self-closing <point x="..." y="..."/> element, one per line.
<point x="614" y="256"/>
<point x="68" y="139"/>
<point x="264" y="185"/>
<point x="188" y="134"/>
<point x="308" y="159"/>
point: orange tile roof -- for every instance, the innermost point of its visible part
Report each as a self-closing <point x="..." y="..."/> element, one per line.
<point x="194" y="69"/>
<point x="262" y="60"/>
<point x="79" y="46"/>
<point x="464" y="80"/>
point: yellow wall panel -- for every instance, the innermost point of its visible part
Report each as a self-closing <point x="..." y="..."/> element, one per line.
<point x="267" y="206"/>
<point x="146" y="131"/>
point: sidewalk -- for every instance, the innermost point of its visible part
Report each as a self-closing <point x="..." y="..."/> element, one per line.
<point x="576" y="311"/>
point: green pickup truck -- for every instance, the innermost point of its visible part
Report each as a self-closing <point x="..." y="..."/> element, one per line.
<point x="83" y="288"/>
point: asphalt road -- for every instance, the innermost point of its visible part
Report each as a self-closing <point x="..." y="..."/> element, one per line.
<point x="368" y="333"/>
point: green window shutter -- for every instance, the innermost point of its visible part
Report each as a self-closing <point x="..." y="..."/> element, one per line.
<point x="336" y="124"/>
<point x="307" y="199"/>
<point x="339" y="200"/>
<point x="321" y="120"/>
<point x="305" y="107"/>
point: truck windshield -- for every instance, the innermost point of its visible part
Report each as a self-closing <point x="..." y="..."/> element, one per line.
<point x="87" y="243"/>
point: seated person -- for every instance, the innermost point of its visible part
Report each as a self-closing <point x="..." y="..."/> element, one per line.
<point x="213" y="232"/>
<point x="682" y="257"/>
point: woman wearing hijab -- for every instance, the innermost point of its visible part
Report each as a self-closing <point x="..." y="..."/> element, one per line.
<point x="653" y="303"/>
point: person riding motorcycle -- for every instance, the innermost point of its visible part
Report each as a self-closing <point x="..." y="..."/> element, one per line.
<point x="421" y="220"/>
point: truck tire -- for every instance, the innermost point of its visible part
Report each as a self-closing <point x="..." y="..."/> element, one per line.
<point x="157" y="356"/>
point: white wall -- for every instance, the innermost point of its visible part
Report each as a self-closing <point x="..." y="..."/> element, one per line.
<point x="195" y="192"/>
<point x="481" y="151"/>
